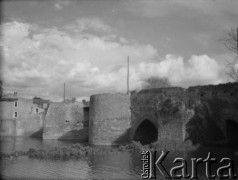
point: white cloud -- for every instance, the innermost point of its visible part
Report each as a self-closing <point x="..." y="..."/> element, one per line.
<point x="58" y="6"/>
<point x="16" y="30"/>
<point x="39" y="62"/>
<point x="198" y="70"/>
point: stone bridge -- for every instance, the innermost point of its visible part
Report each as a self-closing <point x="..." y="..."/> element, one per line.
<point x="203" y="114"/>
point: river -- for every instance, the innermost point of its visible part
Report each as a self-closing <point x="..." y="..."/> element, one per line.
<point x="120" y="165"/>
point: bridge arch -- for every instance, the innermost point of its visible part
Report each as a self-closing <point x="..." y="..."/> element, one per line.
<point x="145" y="130"/>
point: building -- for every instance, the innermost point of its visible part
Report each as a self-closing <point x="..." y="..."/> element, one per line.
<point x="21" y="116"/>
<point x="66" y="120"/>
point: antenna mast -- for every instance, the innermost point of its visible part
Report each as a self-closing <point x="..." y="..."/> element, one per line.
<point x="64" y="92"/>
<point x="128" y="75"/>
<point x="237" y="42"/>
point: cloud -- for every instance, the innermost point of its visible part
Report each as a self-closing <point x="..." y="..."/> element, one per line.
<point x="197" y="70"/>
<point x="94" y="24"/>
<point x="207" y="13"/>
<point x="149" y="9"/>
<point x="37" y="61"/>
<point x="154" y="8"/>
<point x="60" y="4"/>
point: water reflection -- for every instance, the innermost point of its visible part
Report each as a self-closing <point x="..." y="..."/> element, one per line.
<point x="105" y="165"/>
<point x="217" y="153"/>
<point x="25" y="168"/>
<point x="11" y="144"/>
<point x="116" y="166"/>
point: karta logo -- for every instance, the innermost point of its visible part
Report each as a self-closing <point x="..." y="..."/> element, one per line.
<point x="180" y="168"/>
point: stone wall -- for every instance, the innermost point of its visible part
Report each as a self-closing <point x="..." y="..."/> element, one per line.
<point x="8" y="127"/>
<point x="203" y="114"/>
<point x="65" y="121"/>
<point x="109" y="119"/>
<point x="164" y="107"/>
<point x="7" y="108"/>
<point x="213" y="106"/>
<point x="28" y="122"/>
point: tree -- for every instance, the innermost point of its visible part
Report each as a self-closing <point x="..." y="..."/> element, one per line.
<point x="231" y="42"/>
<point x="155" y="82"/>
<point x="233" y="70"/>
<point x="39" y="101"/>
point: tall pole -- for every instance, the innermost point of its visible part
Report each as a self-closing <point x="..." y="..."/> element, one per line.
<point x="128" y="75"/>
<point x="236" y="69"/>
<point x="64" y="92"/>
<point x="237" y="42"/>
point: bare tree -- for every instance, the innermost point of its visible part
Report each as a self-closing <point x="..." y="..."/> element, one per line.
<point x="233" y="70"/>
<point x="155" y="82"/>
<point x="231" y="42"/>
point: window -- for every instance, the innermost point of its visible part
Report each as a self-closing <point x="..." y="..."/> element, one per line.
<point x="15" y="103"/>
<point x="15" y="114"/>
<point x="37" y="110"/>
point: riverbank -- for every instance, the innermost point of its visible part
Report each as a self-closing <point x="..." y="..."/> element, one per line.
<point x="78" y="150"/>
<point x="74" y="151"/>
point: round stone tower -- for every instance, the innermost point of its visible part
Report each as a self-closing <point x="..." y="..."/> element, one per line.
<point x="110" y="119"/>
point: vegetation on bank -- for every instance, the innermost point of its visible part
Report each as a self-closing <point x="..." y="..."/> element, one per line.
<point x="77" y="151"/>
<point x="74" y="151"/>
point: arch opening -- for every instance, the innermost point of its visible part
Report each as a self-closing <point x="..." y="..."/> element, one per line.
<point x="232" y="132"/>
<point x="146" y="133"/>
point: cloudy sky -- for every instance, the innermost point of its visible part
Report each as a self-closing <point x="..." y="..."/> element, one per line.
<point x="86" y="43"/>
